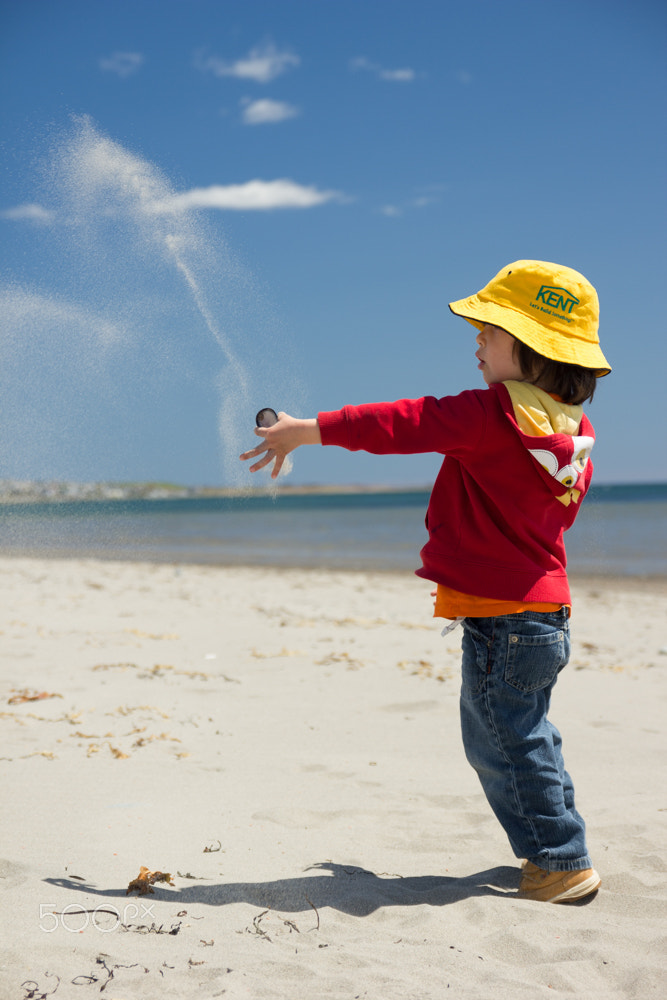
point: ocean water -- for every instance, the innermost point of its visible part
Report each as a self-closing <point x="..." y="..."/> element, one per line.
<point x="621" y="530"/>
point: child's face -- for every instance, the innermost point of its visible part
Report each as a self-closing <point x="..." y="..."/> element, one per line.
<point x="496" y="355"/>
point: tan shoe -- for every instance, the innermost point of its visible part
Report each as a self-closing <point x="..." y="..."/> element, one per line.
<point x="557" y="887"/>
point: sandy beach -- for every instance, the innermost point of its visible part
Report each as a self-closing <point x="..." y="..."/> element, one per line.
<point x="286" y="746"/>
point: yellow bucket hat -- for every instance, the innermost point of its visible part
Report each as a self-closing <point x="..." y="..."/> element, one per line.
<point x="551" y="308"/>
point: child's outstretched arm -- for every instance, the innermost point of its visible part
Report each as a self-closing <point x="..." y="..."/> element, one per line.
<point x="278" y="441"/>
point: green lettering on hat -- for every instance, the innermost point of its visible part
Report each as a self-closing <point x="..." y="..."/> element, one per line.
<point x="557" y="298"/>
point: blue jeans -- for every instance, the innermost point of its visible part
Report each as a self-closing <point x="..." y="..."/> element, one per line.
<point x="510" y="666"/>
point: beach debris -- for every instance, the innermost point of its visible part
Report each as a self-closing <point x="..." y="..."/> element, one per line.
<point x="73" y="718"/>
<point x="109" y="969"/>
<point x="112" y="666"/>
<point x="127" y="709"/>
<point x="354" y="620"/>
<point x="35" y="992"/>
<point x="14" y="716"/>
<point x="143" y="883"/>
<point x="212" y="849"/>
<point x="256" y="926"/>
<point x="116" y="752"/>
<point x="151" y="928"/>
<point x="316" y="912"/>
<point x="159" y="670"/>
<point x="25" y="694"/>
<point x="350" y="661"/>
<point x="151" y="635"/>
<point x="258" y="930"/>
<point x="144" y="740"/>
<point x="422" y="668"/>
<point x="274" y="656"/>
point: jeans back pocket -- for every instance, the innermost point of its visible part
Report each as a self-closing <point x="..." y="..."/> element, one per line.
<point x="533" y="661"/>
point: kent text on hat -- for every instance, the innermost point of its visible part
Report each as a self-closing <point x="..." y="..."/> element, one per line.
<point x="549" y="307"/>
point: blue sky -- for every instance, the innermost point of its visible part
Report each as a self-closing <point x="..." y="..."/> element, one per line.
<point x="210" y="207"/>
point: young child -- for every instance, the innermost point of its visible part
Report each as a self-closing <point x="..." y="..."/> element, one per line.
<point x="515" y="472"/>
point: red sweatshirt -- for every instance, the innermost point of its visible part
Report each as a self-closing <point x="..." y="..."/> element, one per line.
<point x="495" y="520"/>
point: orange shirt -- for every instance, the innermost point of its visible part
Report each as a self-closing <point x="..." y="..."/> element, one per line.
<point x="453" y="604"/>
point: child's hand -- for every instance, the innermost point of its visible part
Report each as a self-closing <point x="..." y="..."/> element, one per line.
<point x="278" y="441"/>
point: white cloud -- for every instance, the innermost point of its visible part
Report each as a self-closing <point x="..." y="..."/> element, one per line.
<point x="123" y="64"/>
<point x="397" y="75"/>
<point x="266" y="111"/>
<point x="30" y="212"/>
<point x="431" y="196"/>
<point x="253" y="196"/>
<point x="262" y="64"/>
<point x="405" y="75"/>
<point x="362" y="63"/>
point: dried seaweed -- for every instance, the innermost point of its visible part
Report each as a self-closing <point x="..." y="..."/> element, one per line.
<point x="25" y="694"/>
<point x="110" y="970"/>
<point x="145" y="880"/>
<point x="152" y="928"/>
<point x="35" y="992"/>
<point x="316" y="913"/>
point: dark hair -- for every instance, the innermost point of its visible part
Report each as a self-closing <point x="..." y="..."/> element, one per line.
<point x="572" y="383"/>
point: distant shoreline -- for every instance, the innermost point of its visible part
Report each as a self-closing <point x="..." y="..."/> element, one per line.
<point x="13" y="492"/>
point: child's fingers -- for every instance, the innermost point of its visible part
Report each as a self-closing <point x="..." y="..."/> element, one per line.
<point x="253" y="452"/>
<point x="264" y="461"/>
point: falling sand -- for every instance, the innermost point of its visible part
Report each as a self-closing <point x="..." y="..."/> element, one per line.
<point x="157" y="341"/>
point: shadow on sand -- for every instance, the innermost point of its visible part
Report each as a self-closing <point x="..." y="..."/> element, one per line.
<point x="346" y="888"/>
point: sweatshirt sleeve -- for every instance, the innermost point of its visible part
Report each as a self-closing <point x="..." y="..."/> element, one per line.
<point x="451" y="425"/>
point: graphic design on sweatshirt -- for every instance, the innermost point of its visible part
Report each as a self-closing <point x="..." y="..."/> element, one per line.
<point x="568" y="474"/>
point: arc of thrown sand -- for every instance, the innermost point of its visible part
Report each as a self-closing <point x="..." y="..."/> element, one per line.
<point x="232" y="360"/>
